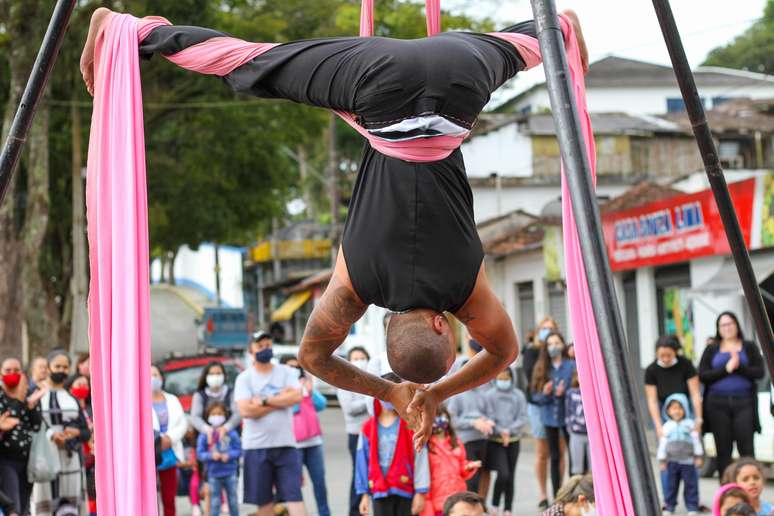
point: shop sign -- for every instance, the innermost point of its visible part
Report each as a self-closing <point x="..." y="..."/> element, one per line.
<point x="674" y="230"/>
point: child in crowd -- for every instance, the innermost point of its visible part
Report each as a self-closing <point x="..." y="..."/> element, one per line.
<point x="386" y="469"/>
<point x="449" y="467"/>
<point x="728" y="496"/>
<point x="221" y="455"/>
<point x="749" y="475"/>
<point x="580" y="457"/>
<point x="189" y="472"/>
<point x="508" y="407"/>
<point x="679" y="454"/>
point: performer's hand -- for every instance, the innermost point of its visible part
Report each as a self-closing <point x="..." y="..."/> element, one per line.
<point x="98" y="19"/>
<point x="400" y="395"/>
<point x="425" y="404"/>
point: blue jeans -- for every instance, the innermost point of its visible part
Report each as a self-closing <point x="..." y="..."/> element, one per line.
<point x="690" y="477"/>
<point x="312" y="457"/>
<point x="354" y="499"/>
<point x="217" y="486"/>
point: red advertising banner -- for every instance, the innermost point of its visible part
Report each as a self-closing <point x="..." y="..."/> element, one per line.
<point x="674" y="230"/>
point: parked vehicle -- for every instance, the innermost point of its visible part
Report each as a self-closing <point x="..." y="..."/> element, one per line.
<point x="182" y="373"/>
<point x="223" y="328"/>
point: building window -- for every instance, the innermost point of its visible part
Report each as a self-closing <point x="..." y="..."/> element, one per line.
<point x="676" y="104"/>
<point x="525" y="293"/>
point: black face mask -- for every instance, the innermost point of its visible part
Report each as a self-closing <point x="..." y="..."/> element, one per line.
<point x="57" y="378"/>
<point x="301" y="372"/>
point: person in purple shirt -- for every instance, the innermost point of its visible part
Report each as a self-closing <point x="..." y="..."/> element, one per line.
<point x="729" y="369"/>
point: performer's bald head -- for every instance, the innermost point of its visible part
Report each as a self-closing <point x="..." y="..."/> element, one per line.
<point x="420" y="345"/>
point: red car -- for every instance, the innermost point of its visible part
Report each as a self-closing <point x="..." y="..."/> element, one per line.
<point x="182" y="373"/>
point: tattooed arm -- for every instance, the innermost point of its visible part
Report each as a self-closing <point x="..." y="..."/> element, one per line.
<point x="330" y="322"/>
<point x="489" y="324"/>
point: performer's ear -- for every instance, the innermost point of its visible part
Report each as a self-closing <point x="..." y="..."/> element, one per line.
<point x="440" y="324"/>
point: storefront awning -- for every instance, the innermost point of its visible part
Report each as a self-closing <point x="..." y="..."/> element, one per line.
<point x="289" y="307"/>
<point x="726" y="279"/>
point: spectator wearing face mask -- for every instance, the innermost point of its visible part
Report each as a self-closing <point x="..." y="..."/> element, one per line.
<point x="508" y="408"/>
<point x="171" y="425"/>
<point x="309" y="440"/>
<point x="212" y="388"/>
<point x="529" y="358"/>
<point x="19" y="418"/>
<point x="221" y="453"/>
<point x="671" y="373"/>
<point x="67" y="428"/>
<point x="575" y="498"/>
<point x="355" y="409"/>
<point x="80" y="387"/>
<point x="265" y="394"/>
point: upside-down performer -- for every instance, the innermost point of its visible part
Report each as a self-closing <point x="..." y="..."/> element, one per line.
<point x="410" y="242"/>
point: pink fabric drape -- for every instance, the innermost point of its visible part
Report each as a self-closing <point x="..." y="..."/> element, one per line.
<point x="611" y="484"/>
<point x="119" y="295"/>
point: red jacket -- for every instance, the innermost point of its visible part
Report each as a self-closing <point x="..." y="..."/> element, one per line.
<point x="447" y="472"/>
<point x="400" y="476"/>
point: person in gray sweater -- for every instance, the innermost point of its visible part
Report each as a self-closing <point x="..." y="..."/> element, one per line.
<point x="508" y="407"/>
<point x="355" y="409"/>
<point x="212" y="388"/>
<point x="471" y="421"/>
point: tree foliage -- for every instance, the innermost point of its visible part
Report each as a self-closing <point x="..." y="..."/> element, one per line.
<point x="753" y="50"/>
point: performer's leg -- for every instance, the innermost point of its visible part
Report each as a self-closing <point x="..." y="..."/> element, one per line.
<point x="318" y="72"/>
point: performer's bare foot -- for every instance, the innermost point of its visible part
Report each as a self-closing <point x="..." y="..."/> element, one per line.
<point x="584" y="52"/>
<point x="98" y="20"/>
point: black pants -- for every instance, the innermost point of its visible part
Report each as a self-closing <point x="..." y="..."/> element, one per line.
<point x="354" y="499"/>
<point x="13" y="482"/>
<point x="502" y="459"/>
<point x="554" y="435"/>
<point x="475" y="450"/>
<point x="731" y="419"/>
<point x="392" y="506"/>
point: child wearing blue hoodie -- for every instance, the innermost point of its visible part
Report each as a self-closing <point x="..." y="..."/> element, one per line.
<point x="220" y="453"/>
<point x="680" y="453"/>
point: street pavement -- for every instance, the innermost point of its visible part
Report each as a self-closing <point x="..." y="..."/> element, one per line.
<point x="338" y="475"/>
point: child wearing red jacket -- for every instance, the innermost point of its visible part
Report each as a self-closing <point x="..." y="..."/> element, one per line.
<point x="387" y="470"/>
<point x="449" y="467"/>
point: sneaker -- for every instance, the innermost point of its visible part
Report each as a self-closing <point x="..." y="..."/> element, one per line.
<point x="196" y="510"/>
<point x="667" y="512"/>
<point x="693" y="513"/>
<point x="543" y="504"/>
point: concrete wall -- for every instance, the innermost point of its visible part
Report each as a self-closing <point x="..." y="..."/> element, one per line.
<point x="504" y="151"/>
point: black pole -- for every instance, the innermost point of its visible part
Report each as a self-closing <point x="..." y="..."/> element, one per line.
<point x="39" y="75"/>
<point x="716" y="179"/>
<point x="605" y="304"/>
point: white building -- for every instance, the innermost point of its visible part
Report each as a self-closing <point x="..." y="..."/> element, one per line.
<point x="637" y="87"/>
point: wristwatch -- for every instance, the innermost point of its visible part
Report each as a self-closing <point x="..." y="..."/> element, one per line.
<point x="264" y="402"/>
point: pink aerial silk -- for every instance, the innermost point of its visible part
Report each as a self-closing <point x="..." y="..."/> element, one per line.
<point x="119" y="297"/>
<point x="611" y="483"/>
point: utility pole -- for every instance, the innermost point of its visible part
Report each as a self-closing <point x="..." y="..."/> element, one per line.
<point x="217" y="274"/>
<point x="79" y="284"/>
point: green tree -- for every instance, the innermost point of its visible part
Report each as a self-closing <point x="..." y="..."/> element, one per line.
<point x="752" y="50"/>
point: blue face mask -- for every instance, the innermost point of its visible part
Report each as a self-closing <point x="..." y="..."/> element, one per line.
<point x="503" y="385"/>
<point x="387" y="405"/>
<point x="156" y="384"/>
<point x="264" y="356"/>
<point x="543" y="334"/>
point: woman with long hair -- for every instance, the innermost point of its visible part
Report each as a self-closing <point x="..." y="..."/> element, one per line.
<point x="729" y="370"/>
<point x="529" y="358"/>
<point x="551" y="378"/>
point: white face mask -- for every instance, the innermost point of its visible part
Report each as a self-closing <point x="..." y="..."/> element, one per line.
<point x="590" y="511"/>
<point x="666" y="365"/>
<point x="216" y="420"/>
<point x="156" y="383"/>
<point x="215" y="381"/>
<point x="360" y="364"/>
